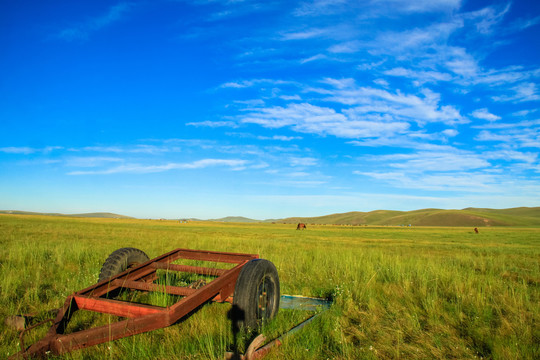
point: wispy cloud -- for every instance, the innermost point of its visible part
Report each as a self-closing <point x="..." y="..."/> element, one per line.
<point x="320" y="7"/>
<point x="521" y="93"/>
<point x="279" y="137"/>
<point x="373" y="8"/>
<point x="421" y="108"/>
<point x="446" y="182"/>
<point x="213" y="124"/>
<point x="25" y="150"/>
<point x="84" y="29"/>
<point x="17" y="150"/>
<point x="91" y="161"/>
<point x="306" y="34"/>
<point x="423" y="161"/>
<point x="302" y="161"/>
<point x="486" y="19"/>
<point x="134" y="149"/>
<point x="144" y="169"/>
<point x="255" y="82"/>
<point x="420" y="76"/>
<point x="512" y="155"/>
<point x="513" y="138"/>
<point x="484" y="114"/>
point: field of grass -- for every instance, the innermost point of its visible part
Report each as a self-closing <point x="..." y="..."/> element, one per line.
<point x="399" y="292"/>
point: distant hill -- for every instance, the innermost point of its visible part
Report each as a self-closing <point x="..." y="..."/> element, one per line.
<point x="522" y="216"/>
<point x="93" y="215"/>
<point x="235" y="219"/>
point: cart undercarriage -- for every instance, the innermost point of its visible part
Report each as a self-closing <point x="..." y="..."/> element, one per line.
<point x="251" y="284"/>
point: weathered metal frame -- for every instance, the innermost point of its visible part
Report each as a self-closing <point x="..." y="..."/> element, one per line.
<point x="139" y="317"/>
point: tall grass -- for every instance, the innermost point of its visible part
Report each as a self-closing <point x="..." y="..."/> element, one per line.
<point x="410" y="293"/>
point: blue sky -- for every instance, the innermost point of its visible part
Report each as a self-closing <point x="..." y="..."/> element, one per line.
<point x="268" y="109"/>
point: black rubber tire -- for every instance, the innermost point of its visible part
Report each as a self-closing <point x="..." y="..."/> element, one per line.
<point x="120" y="260"/>
<point x="256" y="294"/>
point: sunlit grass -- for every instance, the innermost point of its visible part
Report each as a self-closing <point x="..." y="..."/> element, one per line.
<point x="411" y="293"/>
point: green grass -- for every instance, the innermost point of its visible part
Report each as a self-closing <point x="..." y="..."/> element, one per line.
<point x="410" y="293"/>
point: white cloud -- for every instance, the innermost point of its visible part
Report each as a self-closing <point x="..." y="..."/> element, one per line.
<point x="512" y="155"/>
<point x="290" y="97"/>
<point x="90" y="161"/>
<point x="441" y="162"/>
<point x="522" y="92"/>
<point x="320" y="7"/>
<point x="448" y="182"/>
<point x="518" y="125"/>
<point x="433" y="161"/>
<point x="312" y="119"/>
<point x="523" y="24"/>
<point x="459" y="61"/>
<point x="422" y="76"/>
<point x="487" y="18"/>
<point x="299" y="116"/>
<point x="348" y="47"/>
<point x="381" y="82"/>
<point x="303" y="161"/>
<point x="144" y="169"/>
<point x="523" y="113"/>
<point x="489" y="136"/>
<point x="484" y="114"/>
<point x="450" y="132"/>
<point x="404" y="44"/>
<point x="279" y="137"/>
<point x="255" y="82"/>
<point x="504" y="76"/>
<point x="418" y="6"/>
<point x="135" y="149"/>
<point x="513" y="138"/>
<point x="371" y="65"/>
<point x="314" y="58"/>
<point x="213" y="124"/>
<point x="28" y="150"/>
<point x="303" y="35"/>
<point x="397" y="105"/>
<point x="18" y="150"/>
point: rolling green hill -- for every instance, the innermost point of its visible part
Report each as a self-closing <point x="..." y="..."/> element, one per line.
<point x="522" y="216"/>
<point x="95" y="215"/>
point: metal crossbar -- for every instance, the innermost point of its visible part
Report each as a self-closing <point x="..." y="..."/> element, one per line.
<point x="140" y="317"/>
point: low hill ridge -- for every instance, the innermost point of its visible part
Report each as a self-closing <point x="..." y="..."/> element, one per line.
<point x="235" y="219"/>
<point x="519" y="216"/>
<point x="522" y="216"/>
<point x="94" y="215"/>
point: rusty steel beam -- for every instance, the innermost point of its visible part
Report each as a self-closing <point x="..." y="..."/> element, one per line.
<point x="115" y="307"/>
<point x="85" y="338"/>
<point x="187" y="268"/>
<point x="168" y="289"/>
<point x="140" y="317"/>
<point x="215" y="256"/>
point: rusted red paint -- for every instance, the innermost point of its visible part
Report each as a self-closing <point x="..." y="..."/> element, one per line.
<point x="140" y="318"/>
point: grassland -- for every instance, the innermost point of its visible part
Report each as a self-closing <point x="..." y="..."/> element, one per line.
<point x="399" y="292"/>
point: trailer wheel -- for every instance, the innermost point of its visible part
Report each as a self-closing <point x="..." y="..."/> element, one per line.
<point x="256" y="295"/>
<point x="120" y="260"/>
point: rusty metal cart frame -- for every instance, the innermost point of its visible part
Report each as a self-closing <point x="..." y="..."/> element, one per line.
<point x="140" y="317"/>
